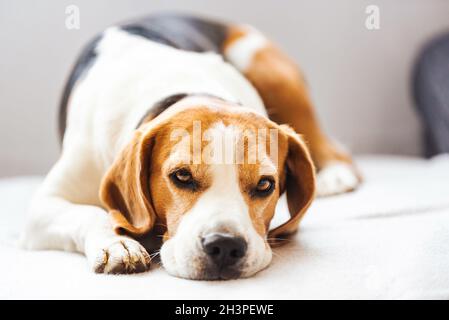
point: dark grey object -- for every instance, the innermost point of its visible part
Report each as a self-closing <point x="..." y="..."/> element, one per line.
<point x="431" y="94"/>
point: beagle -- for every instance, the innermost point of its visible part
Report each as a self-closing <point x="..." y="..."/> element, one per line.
<point x="149" y="120"/>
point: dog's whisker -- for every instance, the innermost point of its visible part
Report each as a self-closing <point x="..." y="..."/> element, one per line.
<point x="279" y="240"/>
<point x="155" y="254"/>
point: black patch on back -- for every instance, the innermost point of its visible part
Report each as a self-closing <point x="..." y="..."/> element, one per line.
<point x="179" y="31"/>
<point x="83" y="63"/>
<point x="162" y="105"/>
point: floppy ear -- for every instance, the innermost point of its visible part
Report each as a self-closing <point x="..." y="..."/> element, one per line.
<point x="299" y="184"/>
<point x="125" y="190"/>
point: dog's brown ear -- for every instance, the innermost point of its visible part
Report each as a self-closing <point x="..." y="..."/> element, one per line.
<point x="125" y="190"/>
<point x="299" y="183"/>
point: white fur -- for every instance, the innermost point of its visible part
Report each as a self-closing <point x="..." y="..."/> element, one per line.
<point x="214" y="212"/>
<point x="242" y="51"/>
<point x="336" y="178"/>
<point x="129" y="75"/>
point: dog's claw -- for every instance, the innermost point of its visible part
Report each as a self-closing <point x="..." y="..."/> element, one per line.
<point x="122" y="257"/>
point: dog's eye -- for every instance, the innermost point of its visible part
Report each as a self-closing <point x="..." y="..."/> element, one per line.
<point x="183" y="175"/>
<point x="183" y="179"/>
<point x="264" y="187"/>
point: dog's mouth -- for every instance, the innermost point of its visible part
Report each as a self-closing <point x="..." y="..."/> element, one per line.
<point x="227" y="273"/>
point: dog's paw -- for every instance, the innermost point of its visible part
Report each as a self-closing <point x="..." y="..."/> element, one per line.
<point x="336" y="178"/>
<point x="121" y="256"/>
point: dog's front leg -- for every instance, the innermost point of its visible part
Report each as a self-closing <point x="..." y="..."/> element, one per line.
<point x="64" y="216"/>
<point x="58" y="224"/>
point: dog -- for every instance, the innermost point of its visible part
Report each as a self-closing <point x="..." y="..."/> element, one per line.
<point x="131" y="168"/>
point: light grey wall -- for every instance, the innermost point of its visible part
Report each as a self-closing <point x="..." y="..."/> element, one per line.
<point x="359" y="78"/>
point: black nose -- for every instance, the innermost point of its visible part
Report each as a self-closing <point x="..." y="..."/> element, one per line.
<point x="224" y="250"/>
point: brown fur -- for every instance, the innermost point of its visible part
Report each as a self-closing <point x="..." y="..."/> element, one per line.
<point x="234" y="33"/>
<point x="136" y="208"/>
<point x="124" y="190"/>
<point x="285" y="95"/>
<point x="299" y="182"/>
<point x="138" y="194"/>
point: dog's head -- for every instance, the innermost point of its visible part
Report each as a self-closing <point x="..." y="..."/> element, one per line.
<point x="211" y="173"/>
